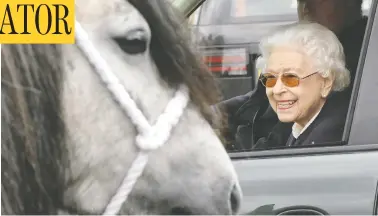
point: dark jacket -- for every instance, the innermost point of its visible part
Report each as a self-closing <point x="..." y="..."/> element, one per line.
<point x="251" y="118"/>
<point x="243" y="112"/>
<point x="326" y="129"/>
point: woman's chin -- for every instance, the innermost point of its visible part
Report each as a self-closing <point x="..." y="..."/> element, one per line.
<point x="285" y="118"/>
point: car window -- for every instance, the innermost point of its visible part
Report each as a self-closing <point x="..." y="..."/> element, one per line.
<point x="263" y="127"/>
<point x="229" y="55"/>
<point x="362" y="120"/>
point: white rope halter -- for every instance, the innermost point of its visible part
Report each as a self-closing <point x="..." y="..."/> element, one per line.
<point x="150" y="137"/>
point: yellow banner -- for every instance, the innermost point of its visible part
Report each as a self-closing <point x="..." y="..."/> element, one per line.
<point x="37" y="21"/>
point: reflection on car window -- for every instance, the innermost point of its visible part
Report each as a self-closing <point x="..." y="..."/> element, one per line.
<point x="250" y="8"/>
<point x="193" y="19"/>
<point x="366" y="5"/>
<point x="229" y="11"/>
<point x="232" y="11"/>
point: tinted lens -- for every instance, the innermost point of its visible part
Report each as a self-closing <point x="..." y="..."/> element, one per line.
<point x="269" y="80"/>
<point x="290" y="80"/>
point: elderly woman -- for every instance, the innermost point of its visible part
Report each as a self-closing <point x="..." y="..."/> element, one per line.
<point x="304" y="65"/>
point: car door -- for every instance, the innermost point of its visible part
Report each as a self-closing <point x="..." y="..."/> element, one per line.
<point x="339" y="180"/>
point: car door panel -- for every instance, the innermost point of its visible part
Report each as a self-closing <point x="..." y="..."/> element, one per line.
<point x="335" y="183"/>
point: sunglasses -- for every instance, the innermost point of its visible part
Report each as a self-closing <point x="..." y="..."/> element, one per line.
<point x="269" y="80"/>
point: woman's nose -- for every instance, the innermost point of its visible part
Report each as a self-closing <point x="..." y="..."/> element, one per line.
<point x="279" y="87"/>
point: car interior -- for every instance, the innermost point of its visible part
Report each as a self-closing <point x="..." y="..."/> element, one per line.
<point x="239" y="12"/>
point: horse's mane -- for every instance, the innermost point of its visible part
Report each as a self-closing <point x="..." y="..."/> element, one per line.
<point x="32" y="131"/>
<point x="174" y="54"/>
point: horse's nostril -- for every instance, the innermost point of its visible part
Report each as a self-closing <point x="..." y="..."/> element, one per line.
<point x="235" y="199"/>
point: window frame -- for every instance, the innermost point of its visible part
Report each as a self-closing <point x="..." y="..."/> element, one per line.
<point x="375" y="208"/>
<point x="358" y="120"/>
<point x="359" y="113"/>
<point x="195" y="16"/>
<point x="187" y="7"/>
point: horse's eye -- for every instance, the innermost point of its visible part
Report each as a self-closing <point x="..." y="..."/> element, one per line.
<point x="135" y="42"/>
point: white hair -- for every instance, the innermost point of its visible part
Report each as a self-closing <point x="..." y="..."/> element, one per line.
<point x="316" y="41"/>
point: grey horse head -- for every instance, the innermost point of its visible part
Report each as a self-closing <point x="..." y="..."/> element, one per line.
<point x="66" y="144"/>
